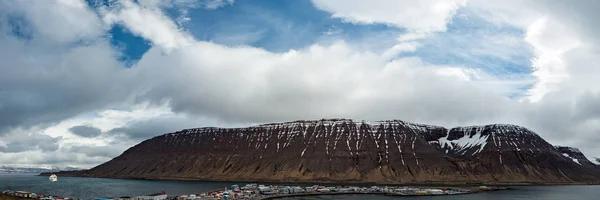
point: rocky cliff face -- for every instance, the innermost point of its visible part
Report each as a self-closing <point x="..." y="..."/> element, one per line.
<point x="341" y="150"/>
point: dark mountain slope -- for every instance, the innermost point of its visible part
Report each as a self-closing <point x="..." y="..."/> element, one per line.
<point x="340" y="150"/>
<point x="509" y="153"/>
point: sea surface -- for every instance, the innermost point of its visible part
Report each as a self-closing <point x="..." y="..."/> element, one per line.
<point x="89" y="188"/>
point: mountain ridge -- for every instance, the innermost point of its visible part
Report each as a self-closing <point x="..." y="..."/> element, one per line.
<point x="344" y="150"/>
<point x="8" y="169"/>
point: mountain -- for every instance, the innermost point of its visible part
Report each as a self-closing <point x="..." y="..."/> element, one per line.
<point x="7" y="169"/>
<point x="342" y="150"/>
<point x="576" y="156"/>
<point x="596" y="161"/>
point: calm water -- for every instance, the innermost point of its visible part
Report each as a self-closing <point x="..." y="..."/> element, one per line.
<point x="88" y="188"/>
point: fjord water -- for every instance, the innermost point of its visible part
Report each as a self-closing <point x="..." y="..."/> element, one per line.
<point x="89" y="188"/>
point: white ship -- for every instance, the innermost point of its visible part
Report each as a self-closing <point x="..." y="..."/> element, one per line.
<point x="53" y="178"/>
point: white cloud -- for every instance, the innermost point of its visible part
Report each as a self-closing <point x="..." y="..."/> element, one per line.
<point x="400" y="48"/>
<point x="58" y="21"/>
<point x="148" y="22"/>
<point x="551" y="33"/>
<point x="550" y="41"/>
<point x="417" y="16"/>
<point x="319" y="81"/>
<point x="42" y="82"/>
<point x="564" y="39"/>
<point x="58" y="146"/>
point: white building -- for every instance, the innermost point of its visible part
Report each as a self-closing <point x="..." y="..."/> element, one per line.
<point x="296" y="190"/>
<point x="265" y="190"/>
<point x="25" y="194"/>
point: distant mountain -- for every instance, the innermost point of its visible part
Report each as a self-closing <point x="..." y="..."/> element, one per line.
<point x="576" y="156"/>
<point x="6" y="169"/>
<point x="596" y="161"/>
<point x="342" y="150"/>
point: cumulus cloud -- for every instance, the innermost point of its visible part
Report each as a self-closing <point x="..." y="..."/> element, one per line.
<point x="51" y="84"/>
<point x="148" y="22"/>
<point x="563" y="38"/>
<point x="21" y="141"/>
<point x="56" y="21"/>
<point x="60" y="67"/>
<point x="261" y="86"/>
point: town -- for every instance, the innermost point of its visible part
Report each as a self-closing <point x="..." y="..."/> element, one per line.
<point x="260" y="192"/>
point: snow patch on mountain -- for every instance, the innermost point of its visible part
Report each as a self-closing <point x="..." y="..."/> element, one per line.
<point x="468" y="141"/>
<point x="574" y="159"/>
<point x="596" y="161"/>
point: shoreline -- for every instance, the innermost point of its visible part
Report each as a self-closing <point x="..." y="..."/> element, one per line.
<point x="257" y="192"/>
<point x="354" y="193"/>
<point x="70" y="174"/>
<point x="282" y="191"/>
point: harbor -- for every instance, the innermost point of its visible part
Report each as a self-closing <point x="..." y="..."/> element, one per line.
<point x="264" y="192"/>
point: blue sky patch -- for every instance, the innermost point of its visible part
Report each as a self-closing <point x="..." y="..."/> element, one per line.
<point x="132" y="47"/>
<point x="279" y="26"/>
<point x="471" y="42"/>
<point x="276" y="26"/>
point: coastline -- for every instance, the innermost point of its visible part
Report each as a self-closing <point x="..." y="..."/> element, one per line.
<point x="329" y="182"/>
<point x="353" y="193"/>
<point x="262" y="192"/>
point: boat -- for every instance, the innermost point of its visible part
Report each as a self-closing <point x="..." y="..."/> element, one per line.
<point x="53" y="178"/>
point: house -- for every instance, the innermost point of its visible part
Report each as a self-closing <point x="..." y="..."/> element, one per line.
<point x="265" y="190"/>
<point x="25" y="194"/>
<point x="309" y="189"/>
<point x="285" y="190"/>
<point x="296" y="190"/>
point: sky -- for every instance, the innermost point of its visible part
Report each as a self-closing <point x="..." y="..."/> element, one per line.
<point x="83" y="80"/>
